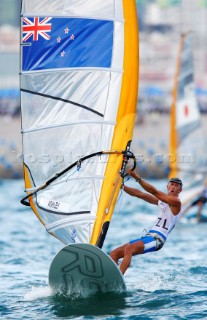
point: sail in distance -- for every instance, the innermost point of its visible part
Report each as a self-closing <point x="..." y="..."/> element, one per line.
<point x="188" y="158"/>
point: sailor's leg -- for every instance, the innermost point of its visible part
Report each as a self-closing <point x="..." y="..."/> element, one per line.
<point x="118" y="253"/>
<point x="200" y="205"/>
<point x="129" y="250"/>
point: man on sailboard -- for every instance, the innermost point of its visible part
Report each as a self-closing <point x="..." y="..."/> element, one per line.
<point x="199" y="201"/>
<point x="169" y="210"/>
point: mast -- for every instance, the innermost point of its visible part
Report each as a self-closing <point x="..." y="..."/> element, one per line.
<point x="124" y="123"/>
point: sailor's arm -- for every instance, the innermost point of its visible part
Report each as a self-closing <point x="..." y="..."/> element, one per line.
<point x="174" y="202"/>
<point x="139" y="194"/>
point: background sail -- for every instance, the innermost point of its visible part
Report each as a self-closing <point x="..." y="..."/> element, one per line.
<point x="188" y="157"/>
<point x="79" y="85"/>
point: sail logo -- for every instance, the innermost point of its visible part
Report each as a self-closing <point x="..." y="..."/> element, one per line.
<point x="36" y="28"/>
<point x="53" y="204"/>
<point x="87" y="263"/>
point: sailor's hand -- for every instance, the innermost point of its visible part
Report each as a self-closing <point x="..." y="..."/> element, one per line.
<point x="133" y="174"/>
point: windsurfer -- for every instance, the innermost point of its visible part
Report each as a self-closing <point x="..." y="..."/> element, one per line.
<point x="169" y="210"/>
<point x="199" y="201"/>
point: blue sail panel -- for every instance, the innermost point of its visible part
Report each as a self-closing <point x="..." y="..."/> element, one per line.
<point x="50" y="43"/>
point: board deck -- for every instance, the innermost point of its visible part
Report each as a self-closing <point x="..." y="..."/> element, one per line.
<point x="84" y="269"/>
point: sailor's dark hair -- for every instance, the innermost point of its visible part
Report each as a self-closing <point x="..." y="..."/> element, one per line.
<point x="176" y="180"/>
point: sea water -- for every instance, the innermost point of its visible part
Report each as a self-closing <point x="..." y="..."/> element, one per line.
<point x="167" y="284"/>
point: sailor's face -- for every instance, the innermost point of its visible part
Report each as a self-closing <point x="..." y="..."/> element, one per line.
<point x="174" y="188"/>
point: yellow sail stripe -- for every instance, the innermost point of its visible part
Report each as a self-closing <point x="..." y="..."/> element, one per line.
<point x="173" y="125"/>
<point x="29" y="185"/>
<point x="124" y="122"/>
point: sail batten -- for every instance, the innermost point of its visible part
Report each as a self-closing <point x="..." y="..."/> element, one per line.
<point x="112" y="70"/>
<point x="67" y="222"/>
<point x="61" y="99"/>
<point x="79" y="83"/>
<point x="41" y="15"/>
<point x="108" y="8"/>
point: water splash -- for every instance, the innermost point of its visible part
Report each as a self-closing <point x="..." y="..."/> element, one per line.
<point x="37" y="293"/>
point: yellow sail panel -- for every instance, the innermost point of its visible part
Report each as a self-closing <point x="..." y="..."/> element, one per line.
<point x="124" y="121"/>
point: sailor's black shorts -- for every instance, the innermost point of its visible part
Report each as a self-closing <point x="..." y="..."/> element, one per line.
<point x="200" y="199"/>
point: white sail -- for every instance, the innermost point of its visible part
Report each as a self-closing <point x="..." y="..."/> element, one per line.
<point x="79" y="81"/>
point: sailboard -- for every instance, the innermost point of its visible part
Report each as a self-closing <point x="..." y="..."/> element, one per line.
<point x="79" y="85"/>
<point x="82" y="269"/>
<point x="187" y="145"/>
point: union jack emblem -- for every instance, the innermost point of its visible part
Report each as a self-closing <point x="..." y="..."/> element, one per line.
<point x="36" y="28"/>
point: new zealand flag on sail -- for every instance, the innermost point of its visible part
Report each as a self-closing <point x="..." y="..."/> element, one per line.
<point x="50" y="43"/>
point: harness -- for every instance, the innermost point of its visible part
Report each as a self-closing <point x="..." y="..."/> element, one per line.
<point x="159" y="239"/>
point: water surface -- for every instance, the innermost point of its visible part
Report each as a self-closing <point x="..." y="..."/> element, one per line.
<point x="168" y="284"/>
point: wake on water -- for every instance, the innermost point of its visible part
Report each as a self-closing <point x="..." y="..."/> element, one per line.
<point x="155" y="281"/>
<point x="38" y="293"/>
